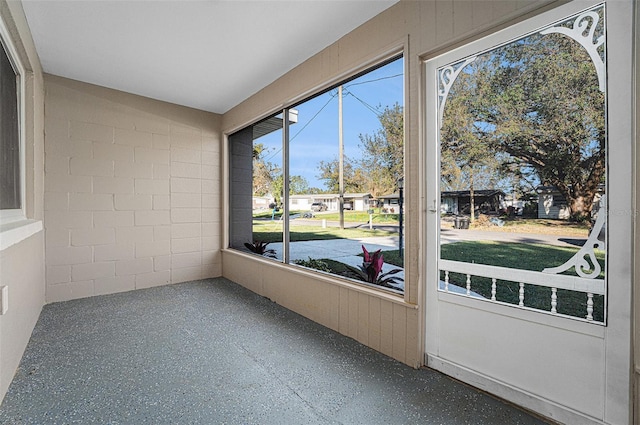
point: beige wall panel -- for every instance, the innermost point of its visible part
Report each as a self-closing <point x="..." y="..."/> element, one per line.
<point x="414" y="338"/>
<point x="353" y="314"/>
<point x="343" y="318"/>
<point x="376" y="36"/>
<point x="127" y="155"/>
<point x="245" y="272"/>
<point x="444" y="24"/>
<point x="363" y="319"/>
<point x="375" y="331"/>
<point x="304" y="295"/>
<point x="21" y="271"/>
<point x="400" y="333"/>
<point x="386" y="328"/>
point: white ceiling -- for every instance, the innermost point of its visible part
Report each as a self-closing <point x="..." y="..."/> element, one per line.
<point x="209" y="55"/>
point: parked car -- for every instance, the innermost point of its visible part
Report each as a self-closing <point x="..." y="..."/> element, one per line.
<point x="319" y="207"/>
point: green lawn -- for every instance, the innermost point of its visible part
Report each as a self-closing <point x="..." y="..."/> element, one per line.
<point x="358" y="217"/>
<point x="267" y="214"/>
<point x="349" y="216"/>
<point x="271" y="231"/>
<point x="526" y="257"/>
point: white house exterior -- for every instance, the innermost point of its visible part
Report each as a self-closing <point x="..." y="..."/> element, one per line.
<point x="552" y="204"/>
<point x="352" y="201"/>
<point x="261" y="202"/>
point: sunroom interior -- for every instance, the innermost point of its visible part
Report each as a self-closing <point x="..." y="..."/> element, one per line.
<point x="120" y="191"/>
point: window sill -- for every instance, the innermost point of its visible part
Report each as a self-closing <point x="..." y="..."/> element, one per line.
<point x="17" y="231"/>
<point x="396" y="298"/>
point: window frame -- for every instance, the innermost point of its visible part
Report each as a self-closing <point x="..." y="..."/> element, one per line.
<point x="398" y="53"/>
<point x="12" y="215"/>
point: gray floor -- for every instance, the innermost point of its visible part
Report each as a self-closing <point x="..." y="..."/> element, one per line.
<point x="211" y="352"/>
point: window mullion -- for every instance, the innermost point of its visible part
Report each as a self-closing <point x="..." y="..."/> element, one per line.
<point x="285" y="186"/>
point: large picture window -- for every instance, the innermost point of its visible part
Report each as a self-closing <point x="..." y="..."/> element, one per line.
<point x="320" y="184"/>
<point x="522" y="138"/>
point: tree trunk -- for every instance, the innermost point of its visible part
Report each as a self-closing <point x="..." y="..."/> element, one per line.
<point x="580" y="206"/>
<point x="471" y="196"/>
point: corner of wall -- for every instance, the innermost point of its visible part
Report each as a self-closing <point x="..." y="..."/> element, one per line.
<point x="132" y="191"/>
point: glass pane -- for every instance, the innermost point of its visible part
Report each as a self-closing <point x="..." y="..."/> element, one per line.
<point x="330" y="221"/>
<point x="10" y="196"/>
<point x="523" y="160"/>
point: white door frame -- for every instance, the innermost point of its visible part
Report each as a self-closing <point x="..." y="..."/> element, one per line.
<point x="603" y="359"/>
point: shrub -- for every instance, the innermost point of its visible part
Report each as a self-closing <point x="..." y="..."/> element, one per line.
<point x="312" y="263"/>
<point x="259" y="247"/>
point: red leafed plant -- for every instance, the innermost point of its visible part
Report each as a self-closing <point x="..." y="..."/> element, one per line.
<point x="371" y="271"/>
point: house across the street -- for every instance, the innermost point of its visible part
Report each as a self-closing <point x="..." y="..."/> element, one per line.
<point x="553" y="204"/>
<point x="352" y="201"/>
<point x="459" y="201"/>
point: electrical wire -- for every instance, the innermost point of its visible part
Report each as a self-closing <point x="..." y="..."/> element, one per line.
<point x="374" y="80"/>
<point x="333" y="96"/>
<point x="366" y="105"/>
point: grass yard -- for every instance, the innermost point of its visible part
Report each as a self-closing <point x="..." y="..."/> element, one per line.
<point x="526" y="257"/>
<point x="271" y="231"/>
<point x="526" y="225"/>
<point x="267" y="214"/>
<point x="349" y="216"/>
<point x="358" y="217"/>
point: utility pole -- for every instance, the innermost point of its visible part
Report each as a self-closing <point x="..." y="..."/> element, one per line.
<point x="341" y="158"/>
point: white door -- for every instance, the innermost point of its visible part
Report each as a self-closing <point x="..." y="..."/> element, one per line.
<point x="518" y="305"/>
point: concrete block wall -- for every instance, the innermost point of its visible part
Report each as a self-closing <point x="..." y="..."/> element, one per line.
<point x="132" y="192"/>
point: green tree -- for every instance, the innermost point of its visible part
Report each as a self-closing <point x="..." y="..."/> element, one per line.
<point x="298" y="185"/>
<point x="355" y="180"/>
<point x="264" y="172"/>
<point x="382" y="162"/>
<point x="467" y="160"/>
<point x="537" y="100"/>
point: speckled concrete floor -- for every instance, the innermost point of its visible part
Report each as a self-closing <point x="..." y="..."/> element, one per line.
<point x="211" y="352"/>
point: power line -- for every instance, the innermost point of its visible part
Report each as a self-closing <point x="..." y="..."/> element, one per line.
<point x="371" y="108"/>
<point x="305" y="126"/>
<point x="314" y="117"/>
<point x="366" y="105"/>
<point x="374" y="80"/>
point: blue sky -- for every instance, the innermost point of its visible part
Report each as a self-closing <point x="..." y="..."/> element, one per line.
<point x="314" y="137"/>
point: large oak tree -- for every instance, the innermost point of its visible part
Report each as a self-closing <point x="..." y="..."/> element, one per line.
<point x="537" y="100"/>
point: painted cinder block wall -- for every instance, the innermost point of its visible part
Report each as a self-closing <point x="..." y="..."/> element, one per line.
<point x="132" y="191"/>
<point x="22" y="264"/>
